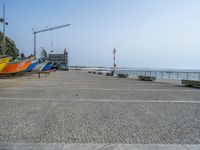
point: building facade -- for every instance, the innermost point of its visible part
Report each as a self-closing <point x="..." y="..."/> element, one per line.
<point x="60" y="59"/>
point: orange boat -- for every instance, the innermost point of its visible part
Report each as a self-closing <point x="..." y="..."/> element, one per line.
<point x="16" y="67"/>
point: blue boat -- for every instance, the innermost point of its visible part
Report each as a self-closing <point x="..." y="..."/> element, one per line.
<point x="47" y="67"/>
<point x="32" y="65"/>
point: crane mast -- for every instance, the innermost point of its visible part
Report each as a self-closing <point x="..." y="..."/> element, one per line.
<point x="45" y="30"/>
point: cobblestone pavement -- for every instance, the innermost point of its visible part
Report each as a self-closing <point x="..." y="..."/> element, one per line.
<point x="77" y="107"/>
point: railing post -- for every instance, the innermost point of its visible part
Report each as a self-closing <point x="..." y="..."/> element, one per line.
<point x="161" y="74"/>
<point x="169" y="76"/>
<point x="187" y="75"/>
<point x="198" y="76"/>
<point x="177" y="75"/>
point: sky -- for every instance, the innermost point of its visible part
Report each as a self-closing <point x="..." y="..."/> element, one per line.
<point x="146" y="33"/>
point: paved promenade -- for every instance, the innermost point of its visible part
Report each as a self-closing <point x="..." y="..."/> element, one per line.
<point x="98" y="112"/>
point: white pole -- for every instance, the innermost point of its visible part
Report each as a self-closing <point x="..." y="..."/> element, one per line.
<point x="114" y="64"/>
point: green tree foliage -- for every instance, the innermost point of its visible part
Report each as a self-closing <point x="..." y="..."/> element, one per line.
<point x="10" y="47"/>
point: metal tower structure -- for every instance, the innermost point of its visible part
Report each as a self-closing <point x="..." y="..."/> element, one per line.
<point x="44" y="30"/>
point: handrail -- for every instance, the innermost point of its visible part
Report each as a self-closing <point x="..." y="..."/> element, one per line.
<point x="171" y="75"/>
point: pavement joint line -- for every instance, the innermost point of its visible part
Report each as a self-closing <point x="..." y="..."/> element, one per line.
<point x="93" y="146"/>
<point x="186" y="147"/>
<point x="78" y="83"/>
<point x="103" y="100"/>
<point x="107" y="89"/>
<point x="133" y="89"/>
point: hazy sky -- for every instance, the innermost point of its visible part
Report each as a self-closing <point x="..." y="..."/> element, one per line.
<point x="146" y="33"/>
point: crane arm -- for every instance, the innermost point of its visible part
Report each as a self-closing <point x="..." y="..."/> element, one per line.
<point x="44" y="30"/>
<point x="53" y="28"/>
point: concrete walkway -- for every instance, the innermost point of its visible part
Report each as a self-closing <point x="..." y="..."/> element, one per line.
<point x="77" y="107"/>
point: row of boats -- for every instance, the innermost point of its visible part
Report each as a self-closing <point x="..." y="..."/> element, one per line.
<point x="26" y="65"/>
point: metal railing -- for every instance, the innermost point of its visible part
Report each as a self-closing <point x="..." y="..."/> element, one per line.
<point x="170" y="75"/>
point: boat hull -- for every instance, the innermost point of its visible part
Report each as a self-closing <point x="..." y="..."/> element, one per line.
<point x="38" y="67"/>
<point x="33" y="64"/>
<point x="16" y="67"/>
<point x="4" y="62"/>
<point x="47" y="67"/>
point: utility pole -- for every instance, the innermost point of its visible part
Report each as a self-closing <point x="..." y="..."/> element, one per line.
<point x="114" y="64"/>
<point x="34" y="43"/>
<point x="51" y="46"/>
<point x="44" y="30"/>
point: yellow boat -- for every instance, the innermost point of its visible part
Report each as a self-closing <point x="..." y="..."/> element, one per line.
<point x="4" y="62"/>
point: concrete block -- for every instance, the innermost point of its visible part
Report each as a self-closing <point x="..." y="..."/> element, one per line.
<point x="147" y="78"/>
<point x="100" y="73"/>
<point x="121" y="75"/>
<point x="109" y="74"/>
<point x="191" y="83"/>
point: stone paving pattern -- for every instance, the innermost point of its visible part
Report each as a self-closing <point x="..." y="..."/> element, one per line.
<point x="46" y="110"/>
